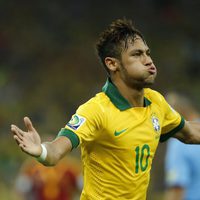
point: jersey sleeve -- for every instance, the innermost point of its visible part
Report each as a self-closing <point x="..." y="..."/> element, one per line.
<point x="177" y="170"/>
<point x="84" y="125"/>
<point x="172" y="122"/>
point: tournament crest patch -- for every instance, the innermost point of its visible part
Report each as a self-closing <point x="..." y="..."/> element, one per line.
<point x="155" y="123"/>
<point x="76" y="121"/>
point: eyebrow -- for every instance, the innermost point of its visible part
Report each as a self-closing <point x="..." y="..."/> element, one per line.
<point x="140" y="50"/>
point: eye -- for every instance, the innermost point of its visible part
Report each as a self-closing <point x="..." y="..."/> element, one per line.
<point x="148" y="53"/>
<point x="136" y="54"/>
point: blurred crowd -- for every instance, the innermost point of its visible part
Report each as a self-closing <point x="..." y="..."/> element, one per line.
<point x="47" y="62"/>
<point x="37" y="182"/>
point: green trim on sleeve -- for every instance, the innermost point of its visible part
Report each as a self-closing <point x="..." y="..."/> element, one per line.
<point x="71" y="135"/>
<point x="166" y="136"/>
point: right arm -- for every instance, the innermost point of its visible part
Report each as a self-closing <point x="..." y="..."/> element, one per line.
<point x="56" y="150"/>
<point x="29" y="141"/>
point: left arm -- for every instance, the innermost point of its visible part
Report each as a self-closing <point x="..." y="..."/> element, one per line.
<point x="190" y="133"/>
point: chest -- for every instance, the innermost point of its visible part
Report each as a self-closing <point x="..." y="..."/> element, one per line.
<point x="133" y="127"/>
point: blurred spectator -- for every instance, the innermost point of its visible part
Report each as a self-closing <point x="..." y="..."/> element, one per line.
<point x="182" y="160"/>
<point x="37" y="182"/>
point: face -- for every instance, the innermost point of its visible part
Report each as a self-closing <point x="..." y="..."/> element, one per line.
<point x="136" y="67"/>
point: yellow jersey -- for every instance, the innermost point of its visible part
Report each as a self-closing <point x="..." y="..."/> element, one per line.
<point x="118" y="142"/>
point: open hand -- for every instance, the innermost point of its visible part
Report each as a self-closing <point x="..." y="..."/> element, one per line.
<point x="29" y="141"/>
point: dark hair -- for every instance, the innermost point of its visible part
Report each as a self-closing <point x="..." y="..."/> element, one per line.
<point x="113" y="40"/>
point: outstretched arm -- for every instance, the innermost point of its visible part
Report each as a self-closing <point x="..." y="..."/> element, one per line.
<point x="29" y="141"/>
<point x="190" y="134"/>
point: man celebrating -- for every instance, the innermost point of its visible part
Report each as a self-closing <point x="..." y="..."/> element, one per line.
<point x="119" y="129"/>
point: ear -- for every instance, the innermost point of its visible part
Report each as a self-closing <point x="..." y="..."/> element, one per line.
<point x="112" y="63"/>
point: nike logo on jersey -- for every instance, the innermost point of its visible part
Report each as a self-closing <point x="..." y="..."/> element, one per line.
<point x="120" y="132"/>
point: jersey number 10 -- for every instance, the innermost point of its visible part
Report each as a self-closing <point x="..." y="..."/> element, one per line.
<point x="141" y="159"/>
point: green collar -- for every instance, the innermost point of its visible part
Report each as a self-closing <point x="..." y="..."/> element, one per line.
<point x="117" y="99"/>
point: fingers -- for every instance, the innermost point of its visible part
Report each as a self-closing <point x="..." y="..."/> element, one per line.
<point x="17" y="131"/>
<point x="18" y="140"/>
<point x="28" y="124"/>
<point x="21" y="143"/>
<point x="19" y="135"/>
<point x="22" y="147"/>
<point x="22" y="138"/>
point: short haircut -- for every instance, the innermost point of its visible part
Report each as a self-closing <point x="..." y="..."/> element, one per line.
<point x="113" y="40"/>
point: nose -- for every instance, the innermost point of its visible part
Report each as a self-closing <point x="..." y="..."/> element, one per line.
<point x="148" y="61"/>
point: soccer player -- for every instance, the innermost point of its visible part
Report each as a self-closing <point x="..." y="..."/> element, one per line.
<point x="119" y="129"/>
<point x="181" y="163"/>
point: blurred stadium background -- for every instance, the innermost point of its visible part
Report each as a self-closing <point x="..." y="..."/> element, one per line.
<point x="48" y="64"/>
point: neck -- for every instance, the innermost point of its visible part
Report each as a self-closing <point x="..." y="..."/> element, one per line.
<point x="134" y="96"/>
